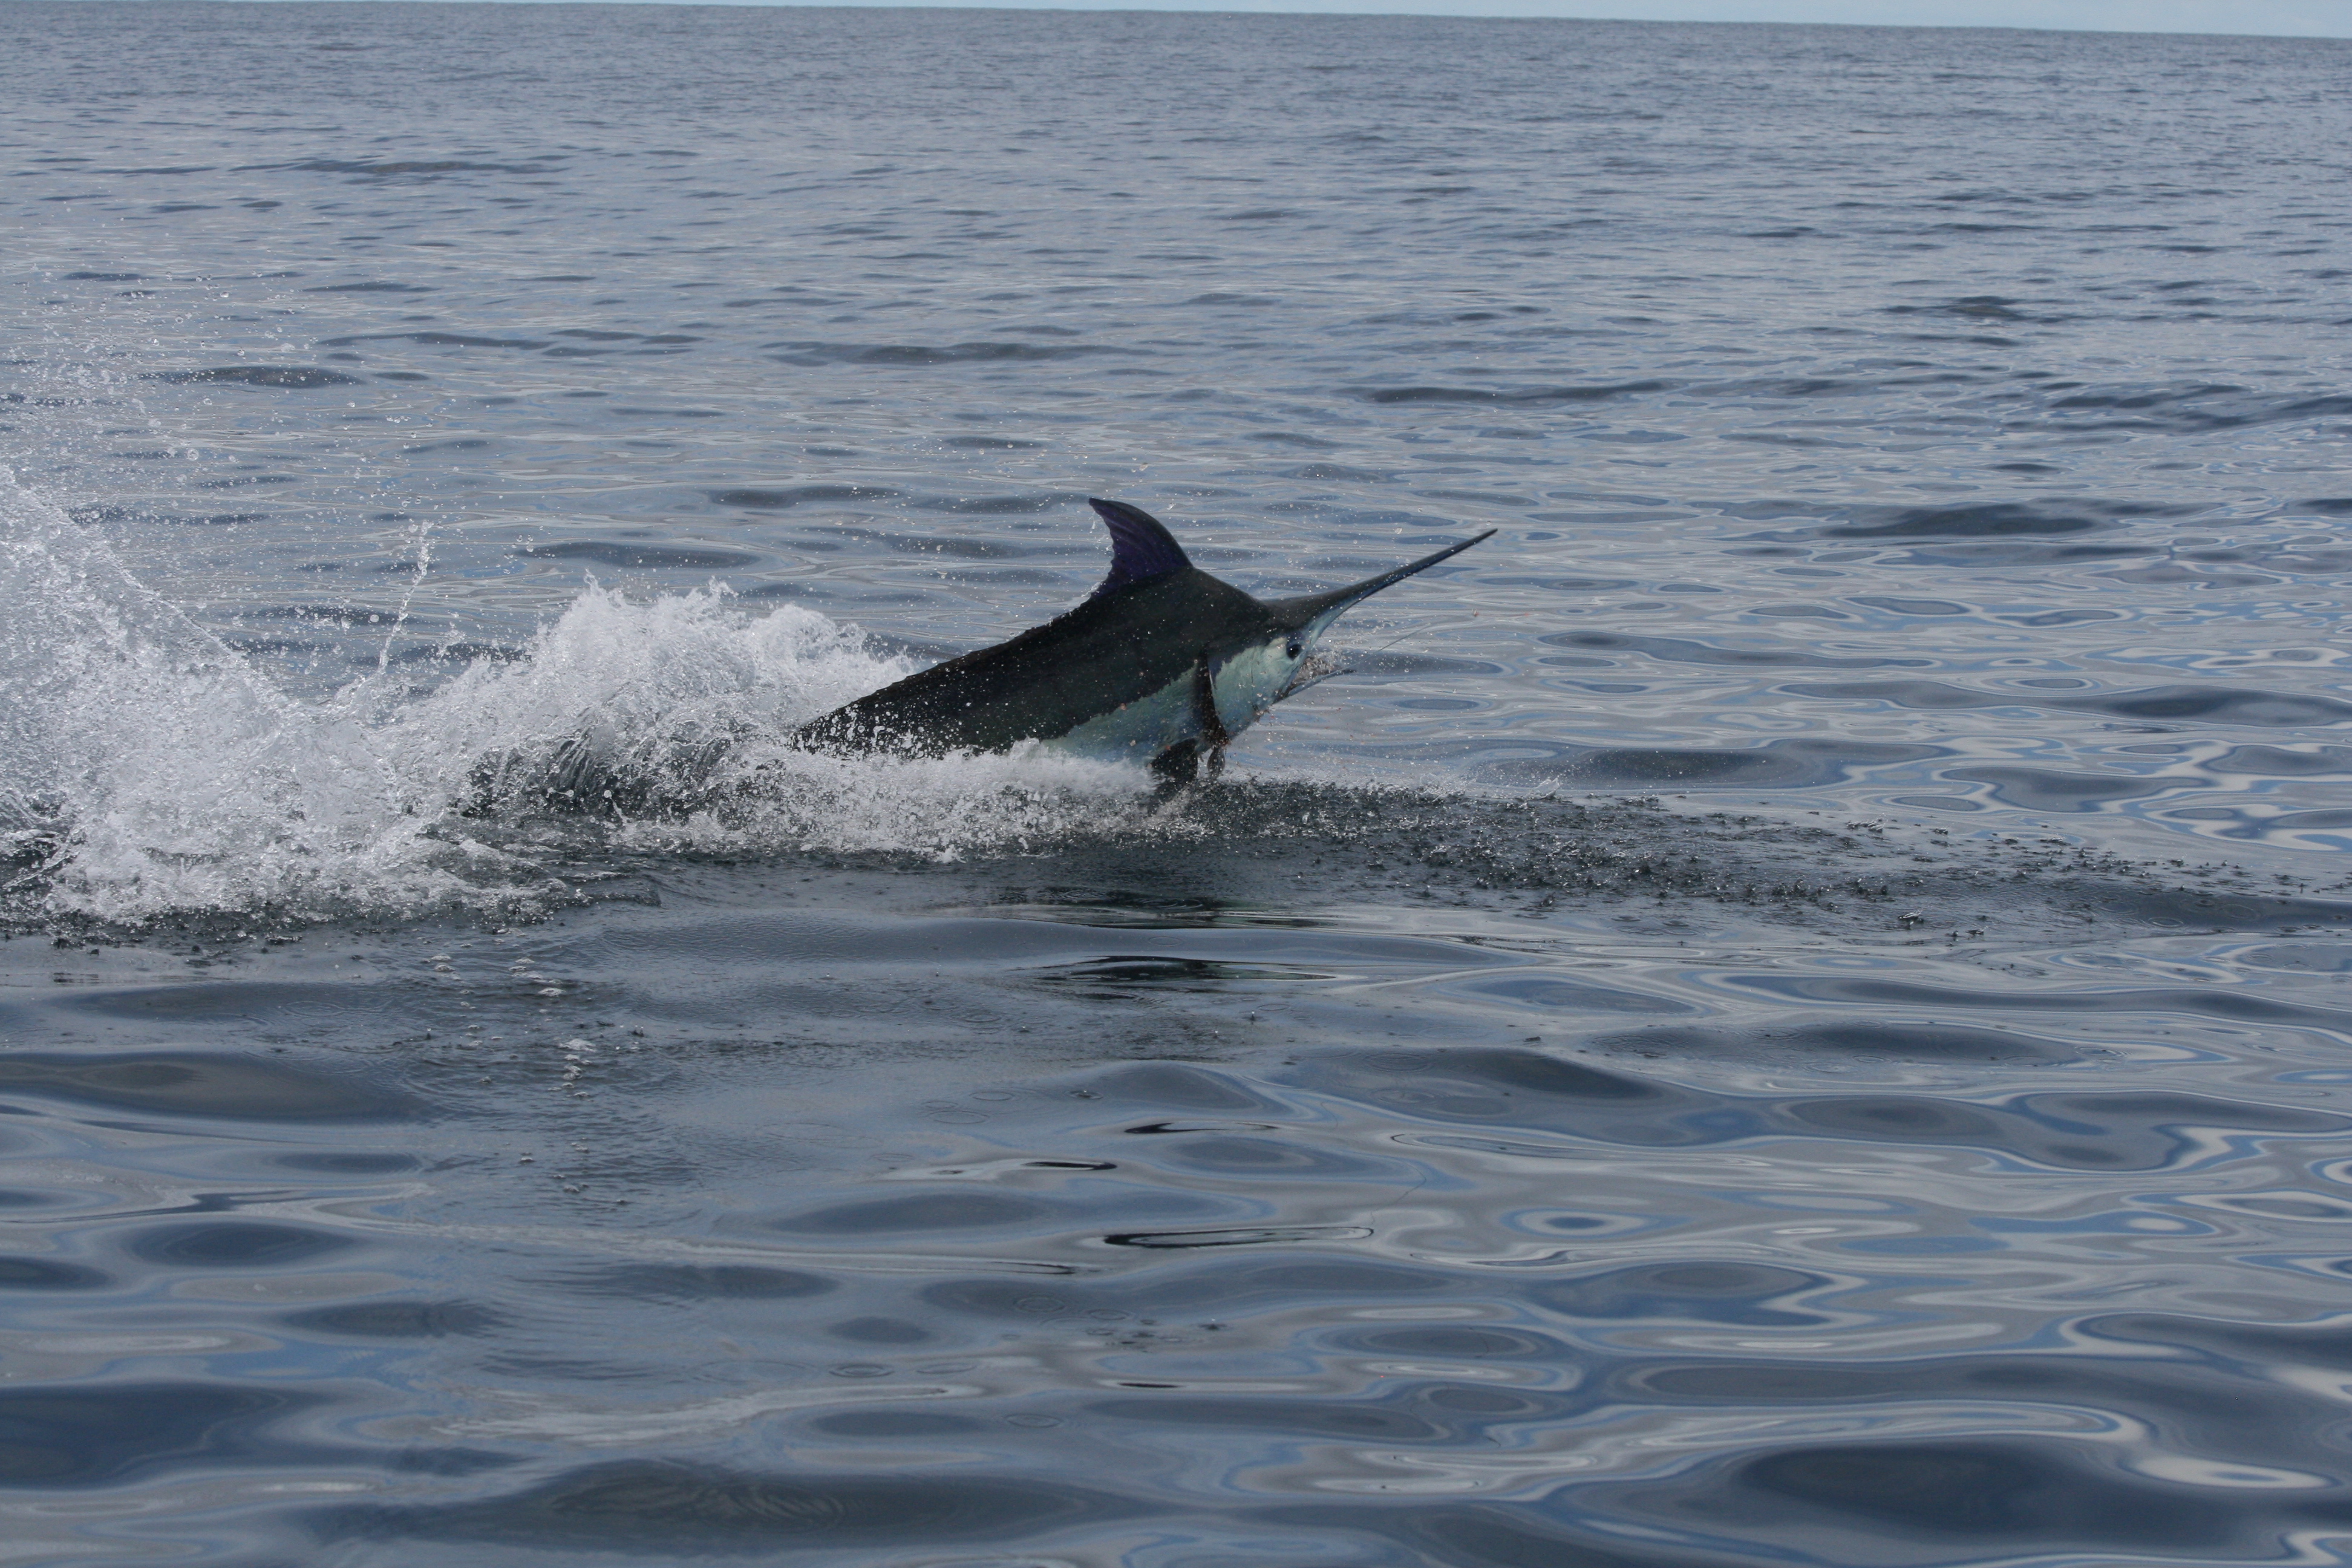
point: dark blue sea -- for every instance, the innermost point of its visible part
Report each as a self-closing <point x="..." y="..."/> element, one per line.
<point x="1792" y="1013"/>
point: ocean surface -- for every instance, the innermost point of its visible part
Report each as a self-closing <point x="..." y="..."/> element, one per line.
<point x="1792" y="1011"/>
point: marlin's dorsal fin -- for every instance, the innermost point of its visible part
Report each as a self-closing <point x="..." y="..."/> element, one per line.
<point x="1140" y="547"/>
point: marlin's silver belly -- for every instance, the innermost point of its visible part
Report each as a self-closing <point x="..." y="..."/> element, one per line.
<point x="1246" y="686"/>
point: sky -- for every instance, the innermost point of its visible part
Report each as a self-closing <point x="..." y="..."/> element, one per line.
<point x="2277" y="18"/>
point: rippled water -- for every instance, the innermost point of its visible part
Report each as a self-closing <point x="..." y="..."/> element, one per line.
<point x="1792" y="1011"/>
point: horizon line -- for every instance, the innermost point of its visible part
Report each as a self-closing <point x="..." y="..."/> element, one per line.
<point x="1472" y="10"/>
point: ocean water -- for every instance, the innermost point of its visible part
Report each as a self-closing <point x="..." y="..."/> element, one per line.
<point x="1792" y="1011"/>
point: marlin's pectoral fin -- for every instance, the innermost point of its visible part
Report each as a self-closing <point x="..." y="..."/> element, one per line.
<point x="1215" y="737"/>
<point x="1180" y="764"/>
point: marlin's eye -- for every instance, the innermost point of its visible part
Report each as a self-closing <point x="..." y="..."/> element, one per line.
<point x="1296" y="648"/>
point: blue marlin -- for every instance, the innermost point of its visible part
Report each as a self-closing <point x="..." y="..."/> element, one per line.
<point x="1162" y="664"/>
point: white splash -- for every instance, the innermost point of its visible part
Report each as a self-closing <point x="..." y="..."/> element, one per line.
<point x="160" y="769"/>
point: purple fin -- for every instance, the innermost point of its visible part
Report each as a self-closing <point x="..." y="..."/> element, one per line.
<point x="1141" y="549"/>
